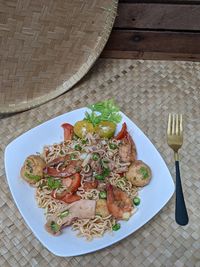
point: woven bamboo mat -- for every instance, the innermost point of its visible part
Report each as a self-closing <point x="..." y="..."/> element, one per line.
<point x="146" y="91"/>
<point x="48" y="46"/>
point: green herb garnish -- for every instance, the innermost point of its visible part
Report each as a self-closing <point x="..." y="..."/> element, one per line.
<point x="53" y="183"/>
<point x="32" y="177"/>
<point x="103" y="111"/>
<point x="144" y="172"/>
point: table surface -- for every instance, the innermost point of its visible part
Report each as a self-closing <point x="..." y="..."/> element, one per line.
<point x="146" y="91"/>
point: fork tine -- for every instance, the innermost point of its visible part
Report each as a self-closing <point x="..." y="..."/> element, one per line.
<point x="173" y="123"/>
<point x="181" y="123"/>
<point x="177" y="132"/>
<point x="169" y="124"/>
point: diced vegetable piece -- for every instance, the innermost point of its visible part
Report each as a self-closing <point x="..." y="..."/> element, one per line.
<point x="77" y="147"/>
<point x="55" y="227"/>
<point x="116" y="227"/>
<point x="64" y="213"/>
<point x="136" y="201"/>
<point x="95" y="156"/>
<point x="112" y="146"/>
<point x="103" y="195"/>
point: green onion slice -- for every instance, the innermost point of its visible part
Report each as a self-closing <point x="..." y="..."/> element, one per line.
<point x="116" y="227"/>
<point x="103" y="195"/>
<point x="95" y="156"/>
<point x="136" y="201"/>
<point x="64" y="213"/>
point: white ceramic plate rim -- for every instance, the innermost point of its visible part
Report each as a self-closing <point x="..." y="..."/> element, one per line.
<point x="153" y="197"/>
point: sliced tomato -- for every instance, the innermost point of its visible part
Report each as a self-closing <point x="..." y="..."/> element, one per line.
<point x="68" y="131"/>
<point x="69" y="198"/>
<point x="76" y="182"/>
<point x="122" y="133"/>
<point x="90" y="185"/>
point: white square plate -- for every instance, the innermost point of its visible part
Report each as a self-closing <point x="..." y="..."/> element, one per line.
<point x="153" y="197"/>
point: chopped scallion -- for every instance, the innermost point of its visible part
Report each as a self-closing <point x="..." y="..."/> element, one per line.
<point x="116" y="227"/>
<point x="64" y="214"/>
<point x="112" y="146"/>
<point x="78" y="147"/>
<point x="95" y="156"/>
<point x="73" y="156"/>
<point x="136" y="201"/>
<point x="103" y="195"/>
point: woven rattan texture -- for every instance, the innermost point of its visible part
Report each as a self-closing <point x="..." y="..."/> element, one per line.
<point x="47" y="46"/>
<point x="146" y="91"/>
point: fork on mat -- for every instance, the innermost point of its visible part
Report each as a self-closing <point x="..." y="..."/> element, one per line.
<point x="175" y="141"/>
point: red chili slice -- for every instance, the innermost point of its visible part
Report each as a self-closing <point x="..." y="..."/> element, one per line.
<point x="122" y="133"/>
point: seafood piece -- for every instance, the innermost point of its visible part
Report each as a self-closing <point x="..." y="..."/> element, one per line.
<point x="139" y="173"/>
<point x="63" y="166"/>
<point x="32" y="170"/>
<point x="101" y="208"/>
<point x="118" y="203"/>
<point x="82" y="209"/>
<point x="127" y="150"/>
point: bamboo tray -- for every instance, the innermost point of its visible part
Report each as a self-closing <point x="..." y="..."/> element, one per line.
<point x="48" y="46"/>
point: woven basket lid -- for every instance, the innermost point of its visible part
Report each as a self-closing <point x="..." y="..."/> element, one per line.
<point x="47" y="46"/>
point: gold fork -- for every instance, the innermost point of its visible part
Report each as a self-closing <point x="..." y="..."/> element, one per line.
<point x="175" y="141"/>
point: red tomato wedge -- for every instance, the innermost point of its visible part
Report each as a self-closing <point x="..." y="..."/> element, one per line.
<point x="69" y="198"/>
<point x="72" y="183"/>
<point x="122" y="133"/>
<point x="68" y="131"/>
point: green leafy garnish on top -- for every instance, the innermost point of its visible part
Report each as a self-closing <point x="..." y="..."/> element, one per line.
<point x="103" y="111"/>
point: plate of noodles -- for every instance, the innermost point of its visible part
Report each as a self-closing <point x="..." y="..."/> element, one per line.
<point x="86" y="179"/>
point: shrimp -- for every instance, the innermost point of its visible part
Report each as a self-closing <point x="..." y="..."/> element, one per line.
<point x="127" y="150"/>
<point x="118" y="203"/>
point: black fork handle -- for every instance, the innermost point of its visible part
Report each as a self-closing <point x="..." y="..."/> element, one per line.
<point x="181" y="215"/>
